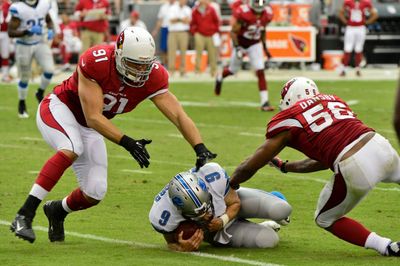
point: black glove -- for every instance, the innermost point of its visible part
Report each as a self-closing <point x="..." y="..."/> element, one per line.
<point x="203" y="155"/>
<point x="137" y="149"/>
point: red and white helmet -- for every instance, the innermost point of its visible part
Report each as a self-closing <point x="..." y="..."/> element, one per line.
<point x="297" y="89"/>
<point x="258" y="5"/>
<point x="134" y="55"/>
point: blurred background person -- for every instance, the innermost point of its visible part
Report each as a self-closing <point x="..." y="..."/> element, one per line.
<point x="133" y="20"/>
<point x="204" y="24"/>
<point x="69" y="40"/>
<point x="353" y="14"/>
<point x="162" y="27"/>
<point x="93" y="16"/>
<point x="5" y="41"/>
<point x="178" y="35"/>
<point x="31" y="43"/>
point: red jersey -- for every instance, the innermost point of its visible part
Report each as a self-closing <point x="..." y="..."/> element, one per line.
<point x="251" y="24"/>
<point x="5" y="6"/>
<point x="94" y="25"/>
<point x="356" y="11"/>
<point x="98" y="64"/>
<point x="206" y="23"/>
<point x="321" y="127"/>
<point x="235" y="4"/>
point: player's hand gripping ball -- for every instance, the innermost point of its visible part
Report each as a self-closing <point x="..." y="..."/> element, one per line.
<point x="188" y="227"/>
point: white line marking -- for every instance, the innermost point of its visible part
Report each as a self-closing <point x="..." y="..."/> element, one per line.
<point x="352" y="102"/>
<point x="137" y="171"/>
<point x="249" y="134"/>
<point x="220" y="104"/>
<point x="152" y="246"/>
<point x="179" y="136"/>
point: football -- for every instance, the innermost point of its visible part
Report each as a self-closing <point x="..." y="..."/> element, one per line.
<point x="188" y="227"/>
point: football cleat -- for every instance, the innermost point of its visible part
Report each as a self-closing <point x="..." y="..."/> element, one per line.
<point x="358" y="73"/>
<point x="342" y="74"/>
<point x="22" y="109"/>
<point x="218" y="85"/>
<point x="393" y="249"/>
<point x="266" y="107"/>
<point x="271" y="224"/>
<point x="39" y="95"/>
<point x="285" y="221"/>
<point x="22" y="227"/>
<point x="56" y="221"/>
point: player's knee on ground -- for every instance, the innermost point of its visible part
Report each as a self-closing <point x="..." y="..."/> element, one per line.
<point x="246" y="234"/>
<point x="280" y="210"/>
<point x="323" y="222"/>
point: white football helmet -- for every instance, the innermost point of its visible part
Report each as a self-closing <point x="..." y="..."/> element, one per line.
<point x="257" y="5"/>
<point x="190" y="195"/>
<point x="135" y="55"/>
<point x="297" y="89"/>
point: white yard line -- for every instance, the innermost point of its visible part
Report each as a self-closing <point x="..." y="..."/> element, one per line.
<point x="152" y="246"/>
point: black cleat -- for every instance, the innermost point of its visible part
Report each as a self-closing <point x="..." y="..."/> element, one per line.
<point x="56" y="221"/>
<point x="39" y="95"/>
<point x="22" y="227"/>
<point x="22" y="109"/>
<point x="266" y="107"/>
<point x="394" y="249"/>
<point x="218" y="85"/>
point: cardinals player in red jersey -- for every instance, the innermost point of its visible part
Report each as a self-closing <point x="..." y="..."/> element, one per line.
<point x="249" y="23"/>
<point x="75" y="118"/>
<point x="354" y="15"/>
<point x="325" y="129"/>
<point x="5" y="41"/>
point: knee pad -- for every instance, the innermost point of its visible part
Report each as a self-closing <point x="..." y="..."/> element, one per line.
<point x="96" y="191"/>
<point x="47" y="75"/>
<point x="267" y="238"/>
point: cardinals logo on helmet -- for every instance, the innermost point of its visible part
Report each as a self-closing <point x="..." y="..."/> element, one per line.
<point x="120" y="40"/>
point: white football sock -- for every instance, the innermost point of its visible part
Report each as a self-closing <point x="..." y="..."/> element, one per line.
<point x="378" y="243"/>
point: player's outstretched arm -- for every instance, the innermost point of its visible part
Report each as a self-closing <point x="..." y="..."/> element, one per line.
<point x="270" y="148"/>
<point x="168" y="104"/>
<point x="91" y="98"/>
<point x="302" y="166"/>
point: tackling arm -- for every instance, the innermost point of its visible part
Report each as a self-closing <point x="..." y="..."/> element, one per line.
<point x="270" y="148"/>
<point x="172" y="109"/>
<point x="305" y="166"/>
<point x="91" y="98"/>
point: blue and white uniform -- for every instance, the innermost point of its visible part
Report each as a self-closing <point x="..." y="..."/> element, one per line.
<point x="165" y="217"/>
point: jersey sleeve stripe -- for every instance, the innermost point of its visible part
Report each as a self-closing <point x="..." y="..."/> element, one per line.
<point x="286" y="123"/>
<point x="157" y="93"/>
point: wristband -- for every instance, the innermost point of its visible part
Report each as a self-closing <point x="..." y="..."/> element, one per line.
<point x="283" y="167"/>
<point x="225" y="219"/>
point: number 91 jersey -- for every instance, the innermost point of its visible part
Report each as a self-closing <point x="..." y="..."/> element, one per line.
<point x="98" y="64"/>
<point x="320" y="127"/>
<point x="31" y="16"/>
<point x="252" y="24"/>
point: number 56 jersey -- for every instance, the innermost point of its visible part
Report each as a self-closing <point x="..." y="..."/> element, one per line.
<point x="320" y="127"/>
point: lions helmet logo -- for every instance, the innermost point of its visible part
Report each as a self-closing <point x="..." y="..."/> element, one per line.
<point x="120" y="40"/>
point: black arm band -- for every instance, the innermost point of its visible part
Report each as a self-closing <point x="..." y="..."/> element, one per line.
<point x="283" y="167"/>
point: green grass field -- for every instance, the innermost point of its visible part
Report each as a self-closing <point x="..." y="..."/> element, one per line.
<point x="117" y="232"/>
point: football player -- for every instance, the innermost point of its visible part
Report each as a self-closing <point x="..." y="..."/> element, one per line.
<point x="249" y="22"/>
<point x="325" y="129"/>
<point x="74" y="119"/>
<point x="205" y="197"/>
<point x="354" y="15"/>
<point x="32" y="26"/>
<point x="5" y="41"/>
